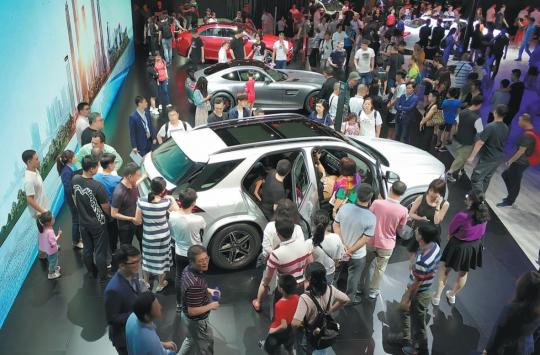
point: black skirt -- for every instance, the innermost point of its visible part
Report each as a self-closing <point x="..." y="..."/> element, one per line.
<point x="462" y="255"/>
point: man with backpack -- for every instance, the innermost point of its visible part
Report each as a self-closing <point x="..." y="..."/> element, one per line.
<point x="166" y="38"/>
<point x="527" y="153"/>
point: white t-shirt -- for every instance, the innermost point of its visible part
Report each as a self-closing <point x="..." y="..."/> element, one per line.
<point x="167" y="129"/>
<point x="271" y="240"/>
<point x="332" y="249"/>
<point x="333" y="102"/>
<point x="368" y="123"/>
<point x="281" y="50"/>
<point x="222" y="55"/>
<point x="338" y="37"/>
<point x="33" y="186"/>
<point x="80" y="125"/>
<point x="363" y="57"/>
<point x="185" y="230"/>
<point x="355" y="104"/>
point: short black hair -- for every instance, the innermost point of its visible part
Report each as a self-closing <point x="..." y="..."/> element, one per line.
<point x="130" y="169"/>
<point x="477" y="100"/>
<point x="287" y="283"/>
<point x="284" y="226"/>
<point x="454" y="92"/>
<point x="429" y="232"/>
<point x="283" y="167"/>
<point x="122" y="254"/>
<point x="172" y="109"/>
<point x="218" y="101"/>
<point x="100" y="135"/>
<point x="411" y="84"/>
<point x="142" y="307"/>
<point x="89" y="162"/>
<point x="82" y="105"/>
<point x="399" y="188"/>
<point x="501" y="110"/>
<point x="107" y="159"/>
<point x="364" y="192"/>
<point x="194" y="251"/>
<point x="28" y="155"/>
<point x="139" y="99"/>
<point x="516" y="72"/>
<point x="187" y="197"/>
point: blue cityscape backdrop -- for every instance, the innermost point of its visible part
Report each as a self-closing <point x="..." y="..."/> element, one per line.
<point x="56" y="54"/>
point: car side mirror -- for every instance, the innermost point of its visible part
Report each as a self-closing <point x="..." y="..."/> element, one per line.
<point x="267" y="81"/>
<point x="391" y="177"/>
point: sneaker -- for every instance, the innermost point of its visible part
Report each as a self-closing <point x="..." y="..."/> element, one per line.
<point x="261" y="344"/>
<point x="443" y="149"/>
<point x="450" y="177"/>
<point x="373" y="295"/>
<point x="435" y="301"/>
<point x="504" y="203"/>
<point x="57" y="268"/>
<point x="451" y="299"/>
<point x="78" y="245"/>
<point x="109" y="266"/>
<point x="461" y="173"/>
<point x="54" y="275"/>
<point x="169" y="105"/>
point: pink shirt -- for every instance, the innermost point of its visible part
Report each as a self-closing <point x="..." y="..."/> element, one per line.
<point x="161" y="68"/>
<point x="390" y="215"/>
<point x="250" y="90"/>
<point x="47" y="241"/>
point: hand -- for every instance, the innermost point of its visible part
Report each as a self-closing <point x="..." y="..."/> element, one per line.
<point x="132" y="220"/>
<point x="169" y="345"/>
<point x="469" y="160"/>
<point x="202" y="61"/>
<point x="507" y="163"/>
<point x="421" y="128"/>
<point x="135" y="150"/>
<point x="214" y="305"/>
<point x="439" y="200"/>
<point x="424" y="218"/>
<point x="59" y="233"/>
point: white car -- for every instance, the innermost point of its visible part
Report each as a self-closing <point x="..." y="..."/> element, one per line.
<point x="412" y="28"/>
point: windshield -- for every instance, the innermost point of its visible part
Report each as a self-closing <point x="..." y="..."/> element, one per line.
<point x="276" y="75"/>
<point x="172" y="163"/>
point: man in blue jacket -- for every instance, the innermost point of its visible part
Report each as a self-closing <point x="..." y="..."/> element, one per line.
<point x="241" y="110"/>
<point x="405" y="106"/>
<point x="141" y="129"/>
<point x="120" y="294"/>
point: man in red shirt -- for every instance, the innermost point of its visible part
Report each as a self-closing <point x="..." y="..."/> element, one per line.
<point x="280" y="332"/>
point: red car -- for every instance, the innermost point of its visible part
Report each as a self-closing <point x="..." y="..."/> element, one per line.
<point x="214" y="34"/>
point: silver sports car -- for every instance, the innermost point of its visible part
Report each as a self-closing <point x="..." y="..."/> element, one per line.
<point x="276" y="90"/>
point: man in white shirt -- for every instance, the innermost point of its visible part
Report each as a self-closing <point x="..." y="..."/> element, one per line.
<point x="186" y="230"/>
<point x="364" y="61"/>
<point x="279" y="55"/>
<point x="356" y="102"/>
<point x="338" y="36"/>
<point x="33" y="187"/>
<point x="81" y="123"/>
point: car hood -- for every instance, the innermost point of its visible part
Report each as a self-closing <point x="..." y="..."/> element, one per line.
<point x="415" y="167"/>
<point x="304" y="77"/>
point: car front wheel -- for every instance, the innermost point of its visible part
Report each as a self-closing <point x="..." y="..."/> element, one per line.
<point x="235" y="246"/>
<point x="310" y="102"/>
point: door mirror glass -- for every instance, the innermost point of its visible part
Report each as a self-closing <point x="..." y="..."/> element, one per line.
<point x="391" y="177"/>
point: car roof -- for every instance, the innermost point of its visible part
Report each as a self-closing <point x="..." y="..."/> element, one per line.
<point x="232" y="64"/>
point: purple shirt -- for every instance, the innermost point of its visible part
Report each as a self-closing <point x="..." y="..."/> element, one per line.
<point x="462" y="227"/>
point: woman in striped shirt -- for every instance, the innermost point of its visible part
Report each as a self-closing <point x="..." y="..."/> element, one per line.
<point x="156" y="241"/>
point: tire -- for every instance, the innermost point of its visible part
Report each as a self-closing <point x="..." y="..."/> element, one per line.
<point x="227" y="99"/>
<point x="222" y="240"/>
<point x="408" y="201"/>
<point x="309" y="104"/>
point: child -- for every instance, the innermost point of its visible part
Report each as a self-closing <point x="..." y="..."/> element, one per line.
<point x="48" y="242"/>
<point x="351" y="127"/>
<point x="280" y="332"/>
<point x="250" y="90"/>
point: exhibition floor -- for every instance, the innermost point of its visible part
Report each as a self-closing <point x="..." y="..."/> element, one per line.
<point x="66" y="316"/>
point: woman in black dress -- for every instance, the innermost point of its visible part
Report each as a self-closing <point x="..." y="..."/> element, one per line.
<point x="426" y="132"/>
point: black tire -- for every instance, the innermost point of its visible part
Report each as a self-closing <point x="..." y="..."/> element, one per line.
<point x="311" y="100"/>
<point x="408" y="201"/>
<point x="223" y="255"/>
<point x="228" y="100"/>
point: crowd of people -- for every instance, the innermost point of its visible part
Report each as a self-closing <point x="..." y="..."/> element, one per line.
<point x="388" y="94"/>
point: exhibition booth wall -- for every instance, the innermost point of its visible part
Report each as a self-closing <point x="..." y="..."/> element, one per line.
<point x="56" y="54"/>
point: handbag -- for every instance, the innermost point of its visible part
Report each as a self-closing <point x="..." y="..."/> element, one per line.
<point x="407" y="231"/>
<point x="436" y="120"/>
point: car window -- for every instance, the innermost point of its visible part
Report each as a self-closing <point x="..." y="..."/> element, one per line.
<point x="227" y="32"/>
<point x="300" y="179"/>
<point x="233" y="76"/>
<point x="172" y="163"/>
<point x="331" y="159"/>
<point x="257" y="75"/>
<point x="276" y="75"/>
<point x="207" y="32"/>
<point x="209" y="176"/>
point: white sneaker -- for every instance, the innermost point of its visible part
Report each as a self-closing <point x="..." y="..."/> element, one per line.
<point x="435" y="301"/>
<point x="451" y="299"/>
<point x="54" y="275"/>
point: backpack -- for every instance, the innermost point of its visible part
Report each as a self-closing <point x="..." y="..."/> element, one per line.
<point x="167" y="130"/>
<point x="167" y="33"/>
<point x="534" y="158"/>
<point x="324" y="330"/>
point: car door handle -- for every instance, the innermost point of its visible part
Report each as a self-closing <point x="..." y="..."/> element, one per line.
<point x="291" y="92"/>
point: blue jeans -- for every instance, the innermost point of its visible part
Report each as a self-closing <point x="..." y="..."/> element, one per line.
<point x="281" y="64"/>
<point x="167" y="49"/>
<point x="366" y="78"/>
<point x="164" y="93"/>
<point x="402" y="130"/>
<point x="321" y="351"/>
<point x="524" y="46"/>
<point x="53" y="262"/>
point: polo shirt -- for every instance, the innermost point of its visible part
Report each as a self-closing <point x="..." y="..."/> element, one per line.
<point x="290" y="258"/>
<point x="142" y="338"/>
<point x="425" y="266"/>
<point x="450" y="109"/>
<point x="194" y="292"/>
<point x="355" y="221"/>
<point x="390" y="215"/>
